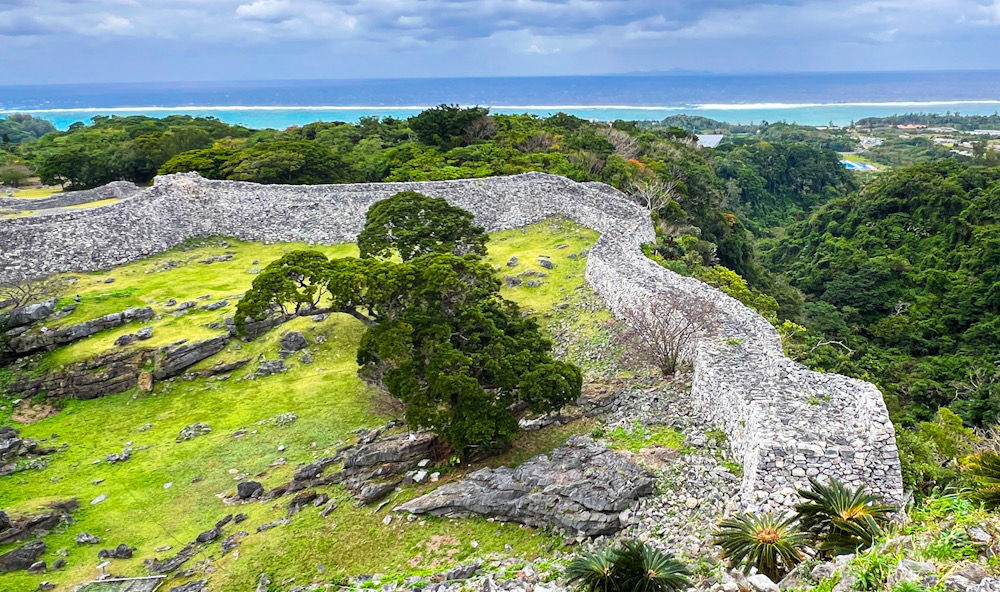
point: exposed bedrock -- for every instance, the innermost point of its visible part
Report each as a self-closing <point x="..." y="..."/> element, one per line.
<point x="581" y="488"/>
<point x="784" y="422"/>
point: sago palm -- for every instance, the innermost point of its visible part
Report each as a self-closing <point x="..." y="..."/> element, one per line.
<point x="772" y="544"/>
<point x="593" y="572"/>
<point x="641" y="568"/>
<point x="985" y="467"/>
<point x="842" y="519"/>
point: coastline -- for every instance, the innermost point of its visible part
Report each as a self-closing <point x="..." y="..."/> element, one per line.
<point x="280" y="117"/>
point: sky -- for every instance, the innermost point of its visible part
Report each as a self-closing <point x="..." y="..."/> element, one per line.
<point x="52" y="41"/>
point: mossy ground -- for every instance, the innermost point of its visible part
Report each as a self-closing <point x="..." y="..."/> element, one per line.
<point x="36" y="192"/>
<point x="330" y="401"/>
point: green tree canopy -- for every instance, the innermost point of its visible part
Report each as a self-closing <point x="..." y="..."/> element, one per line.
<point x="410" y="224"/>
<point x="440" y="338"/>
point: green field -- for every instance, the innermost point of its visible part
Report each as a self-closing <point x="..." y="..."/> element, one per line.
<point x="169" y="492"/>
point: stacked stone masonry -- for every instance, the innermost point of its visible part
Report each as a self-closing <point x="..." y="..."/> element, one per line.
<point x="785" y="422"/>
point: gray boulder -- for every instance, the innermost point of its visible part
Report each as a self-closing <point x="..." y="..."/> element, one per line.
<point x="762" y="583"/>
<point x="293" y="341"/>
<point x="582" y="487"/>
<point x="25" y="315"/>
<point x="395" y="449"/>
<point x="269" y="367"/>
<point x="144" y="333"/>
<point x="973" y="572"/>
<point x="171" y="360"/>
<point x="22" y="557"/>
<point x="85" y="538"/>
<point x="249" y="489"/>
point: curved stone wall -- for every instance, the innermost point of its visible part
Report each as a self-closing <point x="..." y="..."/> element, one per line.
<point x="784" y="422"/>
<point x="117" y="189"/>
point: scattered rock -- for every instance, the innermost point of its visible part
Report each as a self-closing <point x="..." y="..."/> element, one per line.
<point x="249" y="489"/>
<point x="193" y="431"/>
<point x="85" y="538"/>
<point x="511" y="281"/>
<point x="126" y="339"/>
<point x="270" y="525"/>
<point x="195" y="586"/>
<point x="37" y="567"/>
<point x="293" y="341"/>
<point x="209" y="535"/>
<point x="973" y="572"/>
<point x="117" y="458"/>
<point x="463" y="572"/>
<point x="144" y="333"/>
<point x="269" y="367"/>
<point x="157" y="567"/>
<point x="762" y="583"/>
<point x="512" y="262"/>
<point x="375" y="492"/>
<point x="547" y="264"/>
<point x="122" y="551"/>
<point x="98" y="499"/>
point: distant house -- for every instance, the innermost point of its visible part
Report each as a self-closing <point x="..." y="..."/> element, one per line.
<point x="709" y="140"/>
<point x="853" y="165"/>
<point x="910" y="126"/>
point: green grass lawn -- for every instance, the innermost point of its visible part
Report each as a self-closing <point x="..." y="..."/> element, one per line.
<point x="36" y="192"/>
<point x="326" y="395"/>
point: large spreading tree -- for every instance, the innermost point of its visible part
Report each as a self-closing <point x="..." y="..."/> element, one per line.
<point x="440" y="337"/>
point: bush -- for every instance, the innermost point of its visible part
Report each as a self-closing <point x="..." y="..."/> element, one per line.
<point x="633" y="567"/>
<point x="769" y="543"/>
<point x="841" y="519"/>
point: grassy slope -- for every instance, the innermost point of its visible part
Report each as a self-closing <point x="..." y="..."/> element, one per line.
<point x="327" y="397"/>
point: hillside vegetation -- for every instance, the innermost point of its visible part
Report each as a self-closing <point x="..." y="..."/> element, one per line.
<point x="168" y="492"/>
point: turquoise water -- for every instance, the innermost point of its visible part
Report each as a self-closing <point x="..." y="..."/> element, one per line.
<point x="812" y="99"/>
<point x="280" y="118"/>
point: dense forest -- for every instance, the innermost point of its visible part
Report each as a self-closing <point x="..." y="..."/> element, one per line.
<point x="893" y="278"/>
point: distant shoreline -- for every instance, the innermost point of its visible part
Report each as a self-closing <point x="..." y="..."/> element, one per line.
<point x="281" y="117"/>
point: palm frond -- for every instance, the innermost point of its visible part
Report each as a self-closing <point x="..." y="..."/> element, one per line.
<point x="841" y="519"/>
<point x="770" y="543"/>
<point x="592" y="572"/>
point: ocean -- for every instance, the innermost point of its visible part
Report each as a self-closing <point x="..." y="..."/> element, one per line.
<point x="810" y="99"/>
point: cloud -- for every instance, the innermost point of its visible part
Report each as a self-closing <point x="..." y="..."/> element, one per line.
<point x="268" y="11"/>
<point x="115" y="24"/>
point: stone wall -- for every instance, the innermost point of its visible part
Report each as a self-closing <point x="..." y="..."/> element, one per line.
<point x="784" y="421"/>
<point x="116" y="190"/>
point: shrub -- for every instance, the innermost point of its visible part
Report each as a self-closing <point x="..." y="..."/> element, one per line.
<point x="633" y="567"/>
<point x="769" y="543"/>
<point x="985" y="468"/>
<point x="841" y="519"/>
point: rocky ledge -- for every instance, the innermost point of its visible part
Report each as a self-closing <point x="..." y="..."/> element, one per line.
<point x="581" y="488"/>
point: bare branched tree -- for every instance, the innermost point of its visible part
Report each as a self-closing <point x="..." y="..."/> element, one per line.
<point x="652" y="192"/>
<point x="30" y="292"/>
<point x="541" y="141"/>
<point x="624" y="143"/>
<point x="662" y="333"/>
<point x="483" y="128"/>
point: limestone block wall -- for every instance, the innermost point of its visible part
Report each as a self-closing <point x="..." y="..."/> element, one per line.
<point x="784" y="422"/>
<point x="117" y="189"/>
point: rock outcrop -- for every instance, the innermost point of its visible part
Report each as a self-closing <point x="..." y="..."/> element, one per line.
<point x="171" y="360"/>
<point x="581" y="488"/>
<point x="32" y="341"/>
